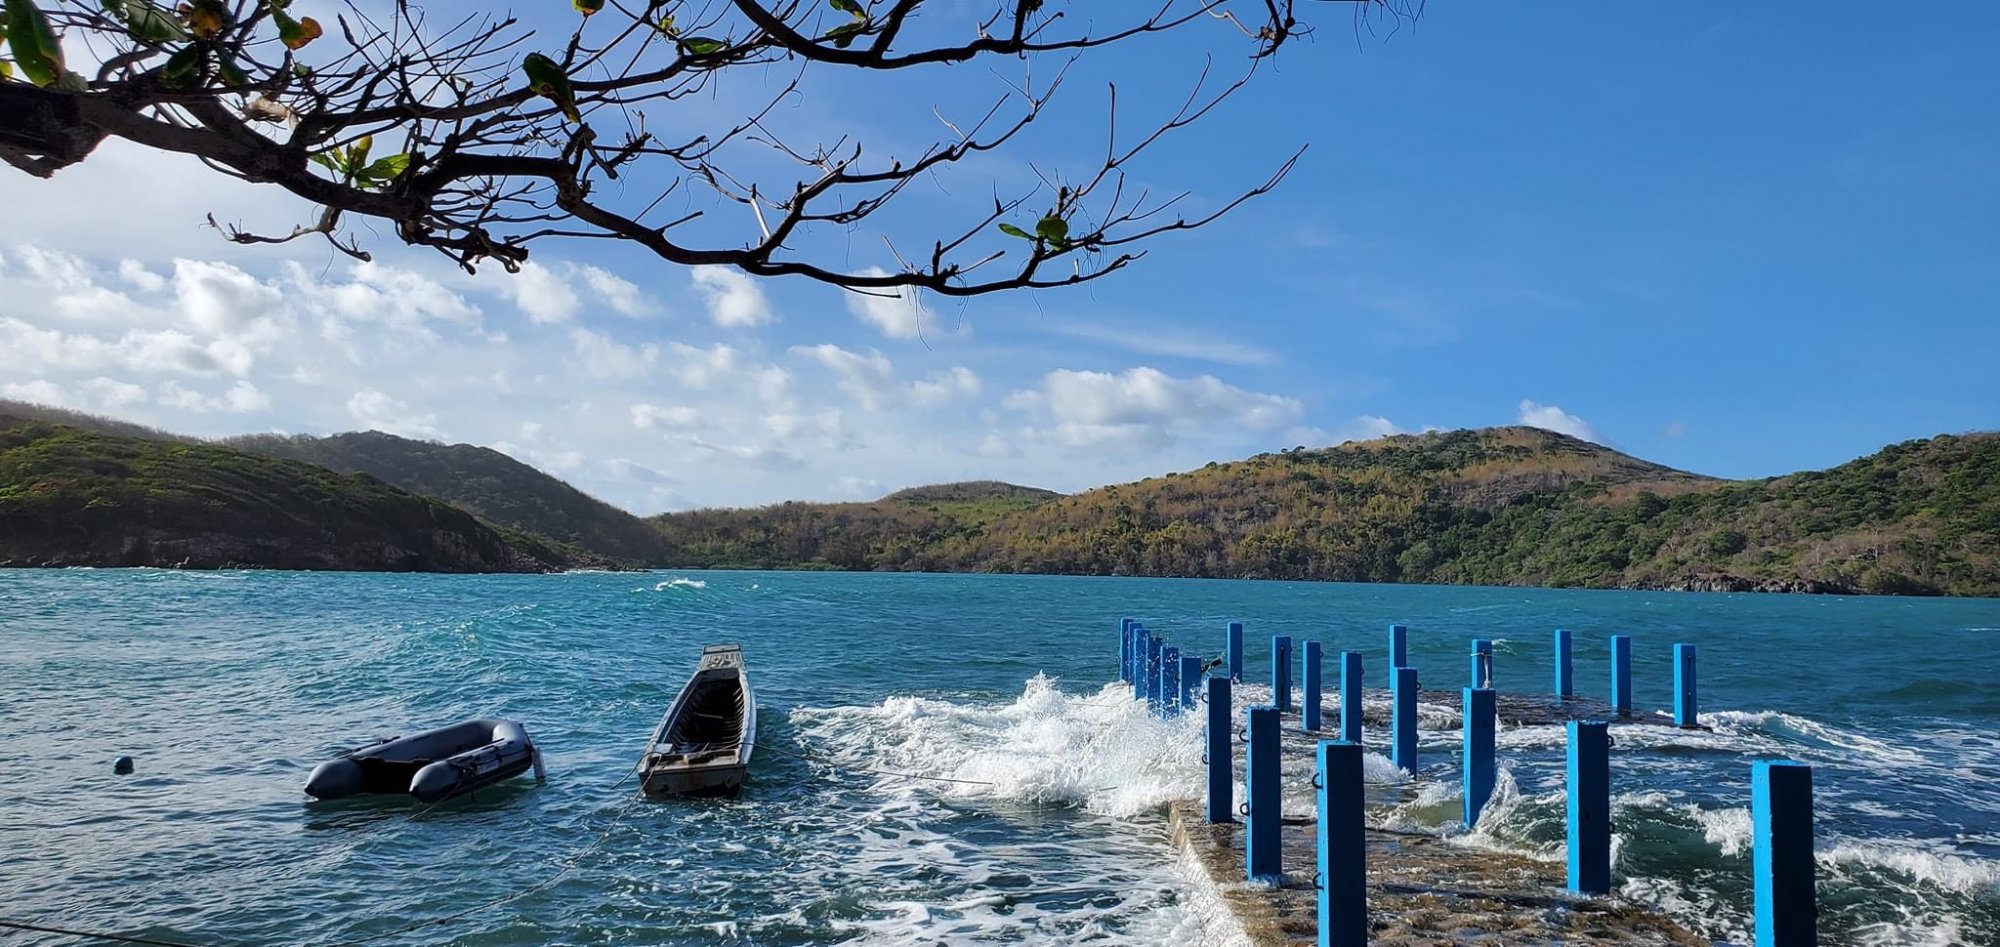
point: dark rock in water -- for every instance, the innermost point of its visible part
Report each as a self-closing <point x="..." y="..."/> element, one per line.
<point x="122" y="766"/>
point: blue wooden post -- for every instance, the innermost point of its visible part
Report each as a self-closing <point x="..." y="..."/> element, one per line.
<point x="1343" y="856"/>
<point x="1477" y="759"/>
<point x="1153" y="647"/>
<point x="1263" y="809"/>
<point x="1221" y="747"/>
<point x="1281" y="672"/>
<point x="1190" y="680"/>
<point x="1350" y="696"/>
<point x="1621" y="675"/>
<point x="1684" y="711"/>
<point x="1482" y="663"/>
<point x="1781" y="821"/>
<point x="1589" y="807"/>
<point x="1565" y="678"/>
<point x="1170" y="681"/>
<point x="1125" y="649"/>
<point x="1236" y="651"/>
<point x="1399" y="649"/>
<point x="1403" y="694"/>
<point x="1309" y="703"/>
<point x="1142" y="650"/>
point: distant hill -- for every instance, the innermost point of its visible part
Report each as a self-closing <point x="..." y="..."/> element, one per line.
<point x="885" y="534"/>
<point x="70" y="496"/>
<point x="496" y="487"/>
<point x="1500" y="506"/>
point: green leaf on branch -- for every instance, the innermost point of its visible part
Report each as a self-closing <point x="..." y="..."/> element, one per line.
<point x="36" y="51"/>
<point x="843" y="35"/>
<point x="295" y="34"/>
<point x="702" y="45"/>
<point x="1055" y="230"/>
<point x="1013" y="231"/>
<point x="384" y="170"/>
<point x="587" y="7"/>
<point x="848" y="7"/>
<point x="182" y="68"/>
<point x="232" y="74"/>
<point x="147" y="22"/>
<point x="548" y="79"/>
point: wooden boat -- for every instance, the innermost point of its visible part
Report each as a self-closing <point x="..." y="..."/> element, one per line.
<point x="434" y="765"/>
<point x="703" y="744"/>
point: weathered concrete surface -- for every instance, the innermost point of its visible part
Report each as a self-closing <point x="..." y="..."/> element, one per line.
<point x="1421" y="890"/>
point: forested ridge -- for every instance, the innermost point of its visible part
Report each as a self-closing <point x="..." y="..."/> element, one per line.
<point x="1501" y="506"/>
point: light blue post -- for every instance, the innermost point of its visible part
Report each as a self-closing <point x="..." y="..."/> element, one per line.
<point x="1482" y="663"/>
<point x="1621" y="675"/>
<point x="1477" y="758"/>
<point x="1399" y="649"/>
<point x="1170" y="681"/>
<point x="1142" y="649"/>
<point x="1263" y="809"/>
<point x="1403" y="694"/>
<point x="1781" y="820"/>
<point x="1125" y="649"/>
<point x="1589" y="807"/>
<point x="1221" y="742"/>
<point x="1350" y="696"/>
<point x="1190" y="680"/>
<point x="1281" y="672"/>
<point x="1684" y="712"/>
<point x="1343" y="858"/>
<point x="1153" y="647"/>
<point x="1309" y="703"/>
<point x="1565" y="678"/>
<point x="1236" y="651"/>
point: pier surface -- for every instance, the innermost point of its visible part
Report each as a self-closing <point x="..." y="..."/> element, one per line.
<point x="1423" y="889"/>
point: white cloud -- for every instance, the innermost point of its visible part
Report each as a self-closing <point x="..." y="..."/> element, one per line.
<point x="1172" y="343"/>
<point x="733" y="298"/>
<point x="1551" y="418"/>
<point x="1674" y="429"/>
<point x="870" y="379"/>
<point x="627" y="469"/>
<point x="112" y="393"/>
<point x="378" y="411"/>
<point x="241" y="398"/>
<point x="600" y="357"/>
<point x="35" y="391"/>
<point x="545" y="296"/>
<point x="622" y="296"/>
<point x="646" y="417"/>
<point x="145" y="280"/>
<point x="1146" y="407"/>
<point x="899" y="313"/>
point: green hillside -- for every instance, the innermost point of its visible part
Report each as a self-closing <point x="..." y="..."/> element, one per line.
<point x="1504" y="506"/>
<point x="70" y="496"/>
<point x="492" y="485"/>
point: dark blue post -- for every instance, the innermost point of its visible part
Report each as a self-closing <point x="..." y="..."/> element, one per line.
<point x="1477" y="759"/>
<point x="1684" y="713"/>
<point x="1153" y="647"/>
<point x="1190" y="680"/>
<point x="1589" y="807"/>
<point x="1170" y="681"/>
<point x="1565" y="679"/>
<point x="1350" y="696"/>
<point x="1236" y="651"/>
<point x="1403" y="694"/>
<point x="1125" y="650"/>
<point x="1482" y="663"/>
<point x="1309" y="703"/>
<point x="1781" y="820"/>
<point x="1343" y="859"/>
<point x="1621" y="675"/>
<point x="1281" y="672"/>
<point x="1221" y="745"/>
<point x="1399" y="649"/>
<point x="1142" y="650"/>
<point x="1263" y="809"/>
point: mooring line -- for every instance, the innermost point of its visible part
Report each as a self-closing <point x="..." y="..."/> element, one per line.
<point x="97" y="935"/>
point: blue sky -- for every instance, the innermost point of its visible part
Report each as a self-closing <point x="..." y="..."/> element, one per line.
<point x="1741" y="241"/>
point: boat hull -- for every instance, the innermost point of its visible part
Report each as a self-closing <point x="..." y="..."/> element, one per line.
<point x="695" y="782"/>
<point x="703" y="745"/>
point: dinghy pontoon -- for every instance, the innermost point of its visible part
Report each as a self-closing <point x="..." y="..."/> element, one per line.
<point x="703" y="744"/>
<point x="434" y="765"/>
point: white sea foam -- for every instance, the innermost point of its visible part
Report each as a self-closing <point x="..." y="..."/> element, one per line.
<point x="678" y="582"/>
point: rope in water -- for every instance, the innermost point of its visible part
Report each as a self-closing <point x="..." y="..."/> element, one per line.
<point x="878" y="772"/>
<point x="98" y="935"/>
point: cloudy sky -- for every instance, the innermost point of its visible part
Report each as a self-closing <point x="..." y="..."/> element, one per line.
<point x="1742" y="242"/>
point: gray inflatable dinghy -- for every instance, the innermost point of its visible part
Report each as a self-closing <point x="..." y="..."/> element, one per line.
<point x="434" y="765"/>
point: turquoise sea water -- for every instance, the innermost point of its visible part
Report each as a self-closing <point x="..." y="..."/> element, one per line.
<point x="227" y="688"/>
